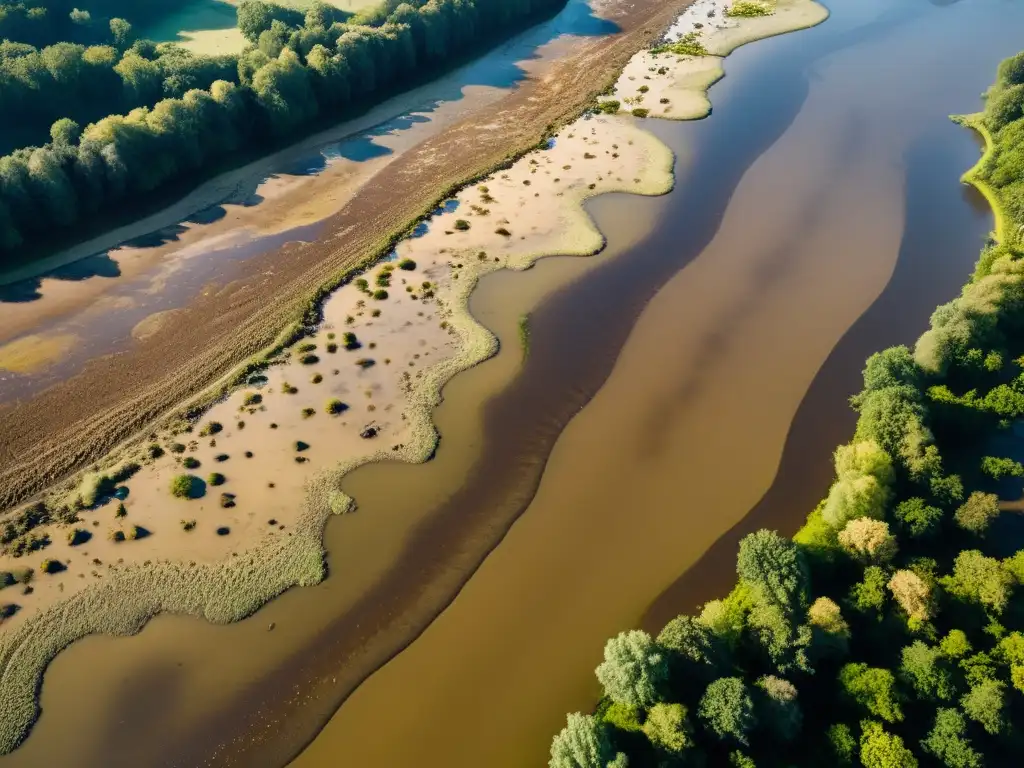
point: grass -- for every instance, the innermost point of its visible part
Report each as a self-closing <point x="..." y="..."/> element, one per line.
<point x="524" y="333"/>
<point x="186" y="487"/>
<point x="688" y="45"/>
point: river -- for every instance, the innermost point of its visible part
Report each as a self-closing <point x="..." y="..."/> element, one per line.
<point x="684" y="386"/>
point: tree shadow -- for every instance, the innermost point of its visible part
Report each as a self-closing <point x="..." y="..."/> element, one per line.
<point x="97" y="265"/>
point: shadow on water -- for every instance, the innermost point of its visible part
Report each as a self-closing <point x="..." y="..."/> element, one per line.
<point x="500" y="68"/>
<point x="98" y="265"/>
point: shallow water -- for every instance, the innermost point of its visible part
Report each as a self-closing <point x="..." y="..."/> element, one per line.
<point x="817" y="217"/>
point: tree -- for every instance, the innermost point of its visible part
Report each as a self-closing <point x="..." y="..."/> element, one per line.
<point x="774" y="568"/>
<point x="842" y="745"/>
<point x="880" y="749"/>
<point x="977" y="512"/>
<point x="997" y="467"/>
<point x="872" y="689"/>
<point x="924" y="669"/>
<point x="583" y="743"/>
<point x="985" y="703"/>
<point x="917" y="518"/>
<point x="65" y="133"/>
<point x="1011" y="70"/>
<point x="81" y="18"/>
<point x="868" y="596"/>
<point x="694" y="650"/>
<point x="868" y="540"/>
<point x="979" y="579"/>
<point x="727" y="710"/>
<point x="955" y="645"/>
<point x="121" y="31"/>
<point x="634" y="669"/>
<point x="912" y="594"/>
<point x="947" y="741"/>
<point x="780" y="707"/>
<point x="1004" y="107"/>
<point x="667" y="729"/>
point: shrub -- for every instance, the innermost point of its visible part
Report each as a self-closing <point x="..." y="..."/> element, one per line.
<point x="332" y="347"/>
<point x="288" y="389"/>
<point x="643" y="89"/>
<point x="640" y="112"/>
<point x="380" y="294"/>
<point x="185" y="487"/>
<point x="407" y="264"/>
<point x="609" y="107"/>
<point x="307" y="412"/>
<point x="335" y="406"/>
<point x="52" y="566"/>
<point x="215" y="478"/>
<point x="300" y="446"/>
<point x="977" y="512"/>
<point x="316" y="378"/>
<point x="350" y="341"/>
<point x="154" y="451"/>
<point x="210" y="428"/>
<point x="176" y="448"/>
<point x="365" y="362"/>
<point x="749" y="8"/>
<point x="227" y="500"/>
<point x="306" y="347"/>
<point x="634" y="669"/>
<point x="190" y="462"/>
<point x="188" y="525"/>
<point x="309" y="359"/>
<point x="503" y="232"/>
<point x="78" y="536"/>
<point x="461" y="224"/>
<point x="252" y="398"/>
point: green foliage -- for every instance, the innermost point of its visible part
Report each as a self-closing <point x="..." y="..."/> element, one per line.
<point x="985" y="704"/>
<point x="842" y="743"/>
<point x="773" y="567"/>
<point x="749" y="8"/>
<point x="667" y="729"/>
<point x="868" y="596"/>
<point x="688" y="45"/>
<point x="694" y="650"/>
<point x="634" y="670"/>
<point x="215" y="478"/>
<point x="779" y="707"/>
<point x="977" y="512"/>
<point x="955" y="645"/>
<point x="583" y="743"/>
<point x="947" y="741"/>
<point x="979" y="579"/>
<point x="997" y="468"/>
<point x="727" y="710"/>
<point x="924" y="668"/>
<point x="184" y="486"/>
<point x="871" y="689"/>
<point x="917" y="518"/>
<point x="881" y="749"/>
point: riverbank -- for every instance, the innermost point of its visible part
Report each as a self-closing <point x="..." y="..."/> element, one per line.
<point x="975" y="175"/>
<point x="278" y="470"/>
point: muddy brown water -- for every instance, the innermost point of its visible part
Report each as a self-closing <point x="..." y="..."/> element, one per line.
<point x="684" y="386"/>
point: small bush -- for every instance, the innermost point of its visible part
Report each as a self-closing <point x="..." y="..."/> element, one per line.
<point x="185" y="487"/>
<point x="316" y="378"/>
<point x="609" y="107"/>
<point x="306" y="347"/>
<point x="188" y="525"/>
<point x="503" y="232"/>
<point x="461" y="224"/>
<point x="407" y="264"/>
<point x="380" y="294"/>
<point x="116" y="535"/>
<point x="154" y="451"/>
<point x="307" y="412"/>
<point x="227" y="500"/>
<point x="643" y="89"/>
<point x="301" y="446"/>
<point x="362" y="284"/>
<point x="52" y="566"/>
<point x="365" y="362"/>
<point x="215" y="478"/>
<point x="288" y="389"/>
<point x="749" y="8"/>
<point x="332" y="347"/>
<point x="210" y="428"/>
<point x="190" y="462"/>
<point x="640" y="112"/>
<point x="309" y="359"/>
<point x="253" y="398"/>
<point x="121" y="511"/>
<point x="78" y="536"/>
<point x="335" y="407"/>
<point x="176" y="448"/>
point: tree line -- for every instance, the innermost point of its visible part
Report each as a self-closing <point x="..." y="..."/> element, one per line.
<point x="182" y="112"/>
<point x="889" y="631"/>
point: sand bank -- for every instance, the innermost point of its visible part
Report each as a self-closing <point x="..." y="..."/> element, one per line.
<point x="674" y="86"/>
<point x="329" y="403"/>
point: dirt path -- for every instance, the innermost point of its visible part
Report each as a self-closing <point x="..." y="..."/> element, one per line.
<point x="46" y="437"/>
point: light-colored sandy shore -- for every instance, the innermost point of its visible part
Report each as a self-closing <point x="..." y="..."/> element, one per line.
<point x="220" y="561"/>
<point x="410" y="343"/>
<point x="672" y="86"/>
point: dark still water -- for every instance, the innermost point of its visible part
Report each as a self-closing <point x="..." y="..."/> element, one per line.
<point x="688" y="384"/>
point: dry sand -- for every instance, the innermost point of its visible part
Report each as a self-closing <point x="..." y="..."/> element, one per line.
<point x="410" y="344"/>
<point x="675" y="87"/>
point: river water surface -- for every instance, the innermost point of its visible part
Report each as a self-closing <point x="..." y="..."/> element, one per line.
<point x="685" y="385"/>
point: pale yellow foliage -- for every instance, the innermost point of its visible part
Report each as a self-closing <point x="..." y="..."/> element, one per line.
<point x="912" y="594"/>
<point x="824" y="613"/>
<point x="868" y="540"/>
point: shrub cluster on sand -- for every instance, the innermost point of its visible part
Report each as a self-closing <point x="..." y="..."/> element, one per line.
<point x="750" y="8"/>
<point x="186" y="487"/>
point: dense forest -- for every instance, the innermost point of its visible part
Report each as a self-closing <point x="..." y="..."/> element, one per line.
<point x="116" y="118"/>
<point x="889" y="631"/>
